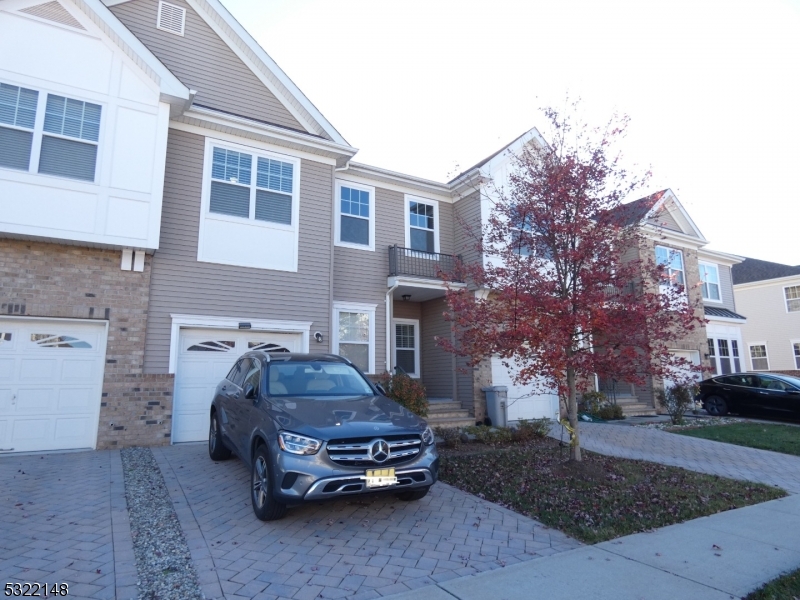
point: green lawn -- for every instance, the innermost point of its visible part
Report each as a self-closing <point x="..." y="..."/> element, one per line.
<point x="782" y="588"/>
<point x="779" y="438"/>
<point x="602" y="498"/>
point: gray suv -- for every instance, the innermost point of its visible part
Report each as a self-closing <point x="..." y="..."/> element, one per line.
<point x="312" y="427"/>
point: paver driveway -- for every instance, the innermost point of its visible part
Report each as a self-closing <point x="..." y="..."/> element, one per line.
<point x="359" y="547"/>
<point x="63" y="519"/>
<point x="695" y="454"/>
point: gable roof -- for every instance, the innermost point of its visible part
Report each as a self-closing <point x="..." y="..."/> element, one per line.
<point x="662" y="210"/>
<point x="753" y="269"/>
<point x="232" y="32"/>
<point x="483" y="162"/>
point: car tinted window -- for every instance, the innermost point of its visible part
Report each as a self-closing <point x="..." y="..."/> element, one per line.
<point x="316" y="379"/>
<point x="253" y="376"/>
<point x="770" y="383"/>
<point x="742" y="380"/>
<point x="239" y="371"/>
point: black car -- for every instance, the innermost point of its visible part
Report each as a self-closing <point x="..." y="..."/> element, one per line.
<point x="771" y="393"/>
<point x="312" y="427"/>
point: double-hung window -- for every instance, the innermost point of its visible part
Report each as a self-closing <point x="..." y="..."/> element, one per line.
<point x="265" y="195"/>
<point x="422" y="224"/>
<point x="671" y="261"/>
<point x="354" y="334"/>
<point x="792" y="295"/>
<point x="758" y="356"/>
<point x="520" y="228"/>
<point x="355" y="215"/>
<point x="65" y="140"/>
<point x="709" y="276"/>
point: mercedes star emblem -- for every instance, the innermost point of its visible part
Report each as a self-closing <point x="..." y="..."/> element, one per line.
<point x="379" y="450"/>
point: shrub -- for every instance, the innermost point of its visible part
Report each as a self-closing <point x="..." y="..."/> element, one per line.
<point x="451" y="436"/>
<point x="529" y="430"/>
<point x="676" y="400"/>
<point x="591" y="402"/>
<point x="407" y="392"/>
<point x="490" y="435"/>
<point x="610" y="412"/>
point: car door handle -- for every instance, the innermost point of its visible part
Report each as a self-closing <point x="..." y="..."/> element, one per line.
<point x="726" y="389"/>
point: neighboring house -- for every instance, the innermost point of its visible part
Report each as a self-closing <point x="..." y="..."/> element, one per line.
<point x="84" y="112"/>
<point x="769" y="293"/>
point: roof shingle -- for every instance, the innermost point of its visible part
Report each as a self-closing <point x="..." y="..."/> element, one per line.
<point x="752" y="269"/>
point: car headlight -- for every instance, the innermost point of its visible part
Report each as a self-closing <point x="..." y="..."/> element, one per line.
<point x="427" y="436"/>
<point x="298" y="444"/>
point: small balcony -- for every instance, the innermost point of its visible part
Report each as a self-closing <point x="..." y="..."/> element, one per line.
<point x="405" y="262"/>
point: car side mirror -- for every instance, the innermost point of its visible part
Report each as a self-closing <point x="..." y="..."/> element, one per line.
<point x="249" y="391"/>
<point x="380" y="388"/>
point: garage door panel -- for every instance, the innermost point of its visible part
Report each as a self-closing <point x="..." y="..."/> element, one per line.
<point x="32" y="433"/>
<point x="6" y="368"/>
<point x="76" y="371"/>
<point x="199" y="370"/>
<point x="75" y="400"/>
<point x="195" y="398"/>
<point x="187" y="427"/>
<point x="5" y="400"/>
<point x="36" y="400"/>
<point x="37" y="369"/>
<point x="4" y="429"/>
<point x="69" y="430"/>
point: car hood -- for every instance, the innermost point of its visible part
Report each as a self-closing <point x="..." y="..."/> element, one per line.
<point x="344" y="417"/>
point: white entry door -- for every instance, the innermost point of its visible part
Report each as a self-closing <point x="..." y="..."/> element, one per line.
<point x="51" y="379"/>
<point x="205" y="356"/>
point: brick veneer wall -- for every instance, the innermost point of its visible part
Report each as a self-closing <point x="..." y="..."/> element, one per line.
<point x="40" y="279"/>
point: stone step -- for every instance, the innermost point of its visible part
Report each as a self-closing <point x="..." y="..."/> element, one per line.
<point x="637" y="409"/>
<point x="443" y="406"/>
<point x="448" y="414"/>
<point x="435" y="422"/>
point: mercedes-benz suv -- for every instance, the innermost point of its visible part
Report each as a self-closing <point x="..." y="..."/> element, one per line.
<point x="312" y="427"/>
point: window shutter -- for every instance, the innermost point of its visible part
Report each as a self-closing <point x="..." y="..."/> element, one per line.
<point x="171" y="18"/>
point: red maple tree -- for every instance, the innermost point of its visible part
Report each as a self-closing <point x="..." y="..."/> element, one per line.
<point x="564" y="297"/>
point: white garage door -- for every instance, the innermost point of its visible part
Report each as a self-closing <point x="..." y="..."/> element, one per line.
<point x="51" y="379"/>
<point x="693" y="357"/>
<point x="205" y="357"/>
<point x="524" y="401"/>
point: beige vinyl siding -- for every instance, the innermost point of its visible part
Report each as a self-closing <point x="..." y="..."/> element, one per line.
<point x="407" y="310"/>
<point x="467" y="227"/>
<point x="204" y="62"/>
<point x="181" y="285"/>
<point x="764" y="305"/>
<point x="726" y="287"/>
<point x="666" y="220"/>
<point x="437" y="365"/>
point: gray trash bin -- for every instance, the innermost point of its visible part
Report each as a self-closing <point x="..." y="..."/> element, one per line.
<point x="497" y="404"/>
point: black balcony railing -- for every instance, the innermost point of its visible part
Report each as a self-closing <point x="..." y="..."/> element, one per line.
<point x="405" y="261"/>
<point x="614" y="389"/>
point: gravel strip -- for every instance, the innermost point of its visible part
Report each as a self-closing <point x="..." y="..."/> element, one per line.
<point x="163" y="561"/>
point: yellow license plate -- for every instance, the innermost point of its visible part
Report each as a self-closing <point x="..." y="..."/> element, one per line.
<point x="380" y="478"/>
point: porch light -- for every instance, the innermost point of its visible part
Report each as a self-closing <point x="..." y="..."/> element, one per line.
<point x="406" y="297"/>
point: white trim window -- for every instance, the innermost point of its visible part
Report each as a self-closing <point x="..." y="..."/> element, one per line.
<point x="795" y="353"/>
<point x="48" y="134"/>
<point x="355" y="215"/>
<point x="792" y="295"/>
<point x="758" y="356"/>
<point x="422" y="224"/>
<point x="672" y="262"/>
<point x="250" y="207"/>
<point x="406" y="346"/>
<point x="354" y="334"/>
<point x="709" y="276"/>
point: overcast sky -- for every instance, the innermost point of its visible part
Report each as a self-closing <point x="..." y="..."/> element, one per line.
<point x="430" y="87"/>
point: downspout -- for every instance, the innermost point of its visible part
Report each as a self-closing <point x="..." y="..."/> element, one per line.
<point x="333" y="251"/>
<point x="389" y="315"/>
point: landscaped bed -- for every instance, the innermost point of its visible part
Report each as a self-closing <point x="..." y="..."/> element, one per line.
<point x="778" y="438"/>
<point x="785" y="587"/>
<point x="598" y="499"/>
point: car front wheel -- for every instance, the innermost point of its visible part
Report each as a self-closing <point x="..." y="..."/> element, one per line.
<point x="265" y="506"/>
<point x="716" y="406"/>
<point x="216" y="447"/>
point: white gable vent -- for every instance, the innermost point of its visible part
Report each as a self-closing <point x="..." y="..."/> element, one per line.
<point x="53" y="11"/>
<point x="171" y="18"/>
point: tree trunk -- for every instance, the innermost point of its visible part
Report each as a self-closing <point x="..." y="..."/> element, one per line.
<point x="572" y="404"/>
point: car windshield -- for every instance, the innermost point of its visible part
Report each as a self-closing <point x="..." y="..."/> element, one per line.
<point x="316" y="379"/>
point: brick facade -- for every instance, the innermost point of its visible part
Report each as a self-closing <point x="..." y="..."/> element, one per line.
<point x="56" y="280"/>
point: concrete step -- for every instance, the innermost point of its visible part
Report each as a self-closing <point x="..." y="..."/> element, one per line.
<point x="435" y="421"/>
<point x="444" y="405"/>
<point x="637" y="409"/>
<point x="448" y="414"/>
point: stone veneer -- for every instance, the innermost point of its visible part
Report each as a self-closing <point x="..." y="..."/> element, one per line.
<point x="40" y="279"/>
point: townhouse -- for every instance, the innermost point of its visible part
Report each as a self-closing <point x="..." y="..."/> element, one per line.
<point x="169" y="199"/>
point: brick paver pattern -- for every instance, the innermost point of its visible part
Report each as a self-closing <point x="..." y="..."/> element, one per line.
<point x="57" y="524"/>
<point x="695" y="454"/>
<point x="360" y="547"/>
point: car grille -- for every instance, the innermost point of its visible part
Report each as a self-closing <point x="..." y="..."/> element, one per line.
<point x="354" y="452"/>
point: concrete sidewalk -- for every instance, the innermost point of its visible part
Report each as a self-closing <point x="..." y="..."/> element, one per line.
<point x="720" y="557"/>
